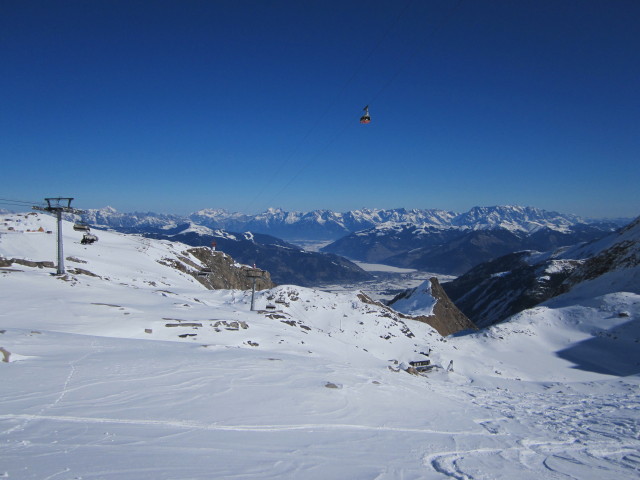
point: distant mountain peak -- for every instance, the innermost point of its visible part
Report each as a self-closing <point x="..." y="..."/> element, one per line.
<point x="329" y="225"/>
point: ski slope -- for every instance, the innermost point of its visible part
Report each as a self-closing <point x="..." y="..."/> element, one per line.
<point x="134" y="370"/>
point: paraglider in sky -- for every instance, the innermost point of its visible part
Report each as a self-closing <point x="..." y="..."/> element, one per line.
<point x="366" y="118"/>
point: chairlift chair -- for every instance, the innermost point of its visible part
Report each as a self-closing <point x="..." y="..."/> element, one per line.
<point x="81" y="227"/>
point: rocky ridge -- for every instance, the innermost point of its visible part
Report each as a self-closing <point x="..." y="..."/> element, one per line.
<point x="495" y="290"/>
<point x="445" y="316"/>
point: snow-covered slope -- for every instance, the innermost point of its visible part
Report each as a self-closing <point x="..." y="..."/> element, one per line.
<point x="140" y="372"/>
<point x="595" y="329"/>
<point x="120" y="266"/>
<point x="131" y="260"/>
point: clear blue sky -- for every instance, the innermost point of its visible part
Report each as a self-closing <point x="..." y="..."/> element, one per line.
<point x="174" y="106"/>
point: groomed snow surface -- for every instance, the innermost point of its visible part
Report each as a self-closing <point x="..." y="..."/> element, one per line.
<point x="139" y="372"/>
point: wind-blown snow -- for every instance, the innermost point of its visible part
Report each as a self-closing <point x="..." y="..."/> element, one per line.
<point x="140" y="372"/>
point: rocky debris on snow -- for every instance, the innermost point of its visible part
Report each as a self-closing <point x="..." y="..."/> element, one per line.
<point x="76" y="260"/>
<point x="7" y="262"/>
<point x="82" y="271"/>
<point x="184" y="324"/>
<point x="233" y="326"/>
<point x="295" y="323"/>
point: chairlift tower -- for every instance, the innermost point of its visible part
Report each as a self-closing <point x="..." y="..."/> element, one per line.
<point x="59" y="205"/>
<point x="253" y="274"/>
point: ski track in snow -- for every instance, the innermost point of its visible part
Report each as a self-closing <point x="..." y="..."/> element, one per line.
<point x="235" y="428"/>
<point x="63" y="392"/>
<point x="585" y="436"/>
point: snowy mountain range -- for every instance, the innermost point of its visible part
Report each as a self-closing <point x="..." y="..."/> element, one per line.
<point x="429" y="240"/>
<point x="328" y="225"/>
<point x="128" y="367"/>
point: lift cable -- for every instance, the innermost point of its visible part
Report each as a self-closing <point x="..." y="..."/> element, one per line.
<point x="306" y="164"/>
<point x="18" y="203"/>
<point x="445" y="20"/>
<point x="433" y="33"/>
<point x="331" y="105"/>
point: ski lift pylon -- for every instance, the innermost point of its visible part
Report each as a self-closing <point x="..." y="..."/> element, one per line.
<point x="366" y="118"/>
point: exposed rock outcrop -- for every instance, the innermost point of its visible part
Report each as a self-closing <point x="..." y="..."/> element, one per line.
<point x="7" y="262"/>
<point x="447" y="319"/>
<point x="222" y="272"/>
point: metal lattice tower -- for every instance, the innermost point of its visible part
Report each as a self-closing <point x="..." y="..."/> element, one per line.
<point x="58" y="205"/>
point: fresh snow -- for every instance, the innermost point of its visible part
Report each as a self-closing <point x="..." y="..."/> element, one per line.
<point x="110" y="377"/>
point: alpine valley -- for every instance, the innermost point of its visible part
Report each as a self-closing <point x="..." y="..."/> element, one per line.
<point x="432" y="240"/>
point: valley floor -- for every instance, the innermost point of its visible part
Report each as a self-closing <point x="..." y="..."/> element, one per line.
<point x="387" y="283"/>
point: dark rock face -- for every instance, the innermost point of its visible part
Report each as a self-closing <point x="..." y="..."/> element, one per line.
<point x="460" y="254"/>
<point x="493" y="291"/>
<point x="224" y="272"/>
<point x="447" y="319"/>
<point x="623" y="253"/>
<point x="378" y="245"/>
<point x="452" y="251"/>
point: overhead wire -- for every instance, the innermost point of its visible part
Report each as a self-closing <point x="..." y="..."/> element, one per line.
<point x="433" y="33"/>
<point x="18" y="203"/>
<point x="439" y="26"/>
<point x="327" y="109"/>
<point x="306" y="164"/>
